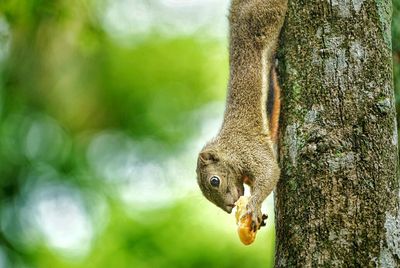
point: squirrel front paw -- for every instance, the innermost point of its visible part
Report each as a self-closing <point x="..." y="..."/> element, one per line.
<point x="257" y="218"/>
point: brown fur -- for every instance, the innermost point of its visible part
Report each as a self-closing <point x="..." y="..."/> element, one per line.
<point x="244" y="146"/>
<point x="276" y="108"/>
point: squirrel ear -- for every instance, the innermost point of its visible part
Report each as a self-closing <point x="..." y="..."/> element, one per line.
<point x="208" y="157"/>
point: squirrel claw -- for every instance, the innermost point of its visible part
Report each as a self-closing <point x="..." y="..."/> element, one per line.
<point x="262" y="223"/>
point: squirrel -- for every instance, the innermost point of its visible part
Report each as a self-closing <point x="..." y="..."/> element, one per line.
<point x="244" y="151"/>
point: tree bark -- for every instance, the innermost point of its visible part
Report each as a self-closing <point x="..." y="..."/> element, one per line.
<point x="337" y="202"/>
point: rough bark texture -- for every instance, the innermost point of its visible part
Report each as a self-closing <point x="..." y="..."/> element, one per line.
<point x="337" y="202"/>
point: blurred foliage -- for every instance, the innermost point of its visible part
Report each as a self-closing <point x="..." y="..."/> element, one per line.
<point x="67" y="86"/>
<point x="85" y="117"/>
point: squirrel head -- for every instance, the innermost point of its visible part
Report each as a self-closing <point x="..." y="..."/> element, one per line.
<point x="220" y="182"/>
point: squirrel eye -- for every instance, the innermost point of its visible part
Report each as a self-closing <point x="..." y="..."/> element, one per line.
<point x="214" y="181"/>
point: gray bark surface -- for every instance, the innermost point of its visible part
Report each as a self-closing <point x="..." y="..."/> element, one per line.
<point x="337" y="202"/>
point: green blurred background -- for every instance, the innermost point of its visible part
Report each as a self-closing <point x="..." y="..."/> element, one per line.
<point x="103" y="108"/>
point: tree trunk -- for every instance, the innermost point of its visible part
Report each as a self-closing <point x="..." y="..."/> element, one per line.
<point x="337" y="202"/>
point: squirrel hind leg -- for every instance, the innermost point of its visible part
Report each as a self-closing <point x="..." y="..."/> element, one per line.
<point x="273" y="105"/>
